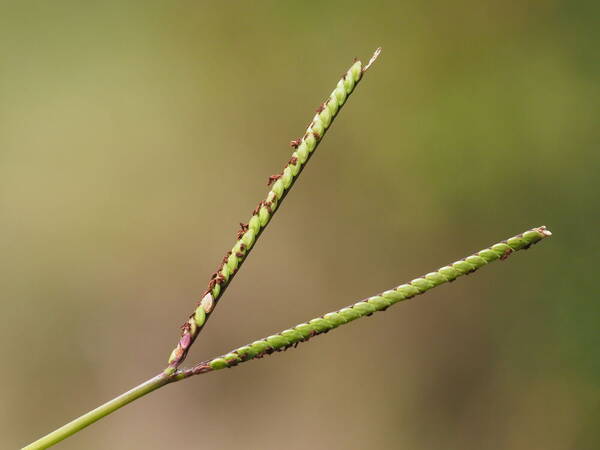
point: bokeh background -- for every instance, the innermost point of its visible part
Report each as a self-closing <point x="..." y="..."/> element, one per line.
<point x="135" y="136"/>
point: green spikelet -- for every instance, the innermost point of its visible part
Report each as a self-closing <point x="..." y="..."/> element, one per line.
<point x="314" y="327"/>
<point x="280" y="185"/>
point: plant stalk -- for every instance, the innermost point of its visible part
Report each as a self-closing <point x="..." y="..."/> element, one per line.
<point x="96" y="414"/>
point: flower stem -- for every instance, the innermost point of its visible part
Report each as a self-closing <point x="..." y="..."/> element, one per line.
<point x="96" y="414"/>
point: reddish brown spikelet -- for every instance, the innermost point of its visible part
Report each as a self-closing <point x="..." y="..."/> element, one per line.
<point x="185" y="341"/>
<point x="240" y="233"/>
<point x="220" y="279"/>
<point x="273" y="179"/>
<point x="225" y="258"/>
<point x="257" y="209"/>
<point x="506" y="253"/>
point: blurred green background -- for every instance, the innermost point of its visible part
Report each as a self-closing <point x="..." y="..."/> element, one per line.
<point x="134" y="136"/>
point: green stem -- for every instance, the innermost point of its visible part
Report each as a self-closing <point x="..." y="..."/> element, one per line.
<point x="96" y="414"/>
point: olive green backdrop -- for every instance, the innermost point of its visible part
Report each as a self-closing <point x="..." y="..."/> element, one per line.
<point x="134" y="136"/>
